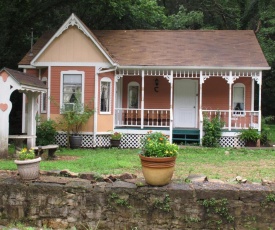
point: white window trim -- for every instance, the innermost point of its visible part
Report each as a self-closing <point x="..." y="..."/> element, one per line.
<point x="82" y="73"/>
<point x="241" y="114"/>
<point x="133" y="83"/>
<point x="106" y="79"/>
<point x="44" y="79"/>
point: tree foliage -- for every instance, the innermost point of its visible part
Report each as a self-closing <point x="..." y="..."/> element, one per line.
<point x="17" y="17"/>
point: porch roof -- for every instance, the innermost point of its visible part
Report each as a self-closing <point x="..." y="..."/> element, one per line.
<point x="27" y="81"/>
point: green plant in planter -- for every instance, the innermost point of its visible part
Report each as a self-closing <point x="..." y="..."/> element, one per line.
<point x="156" y="144"/>
<point x="73" y="118"/>
<point x="249" y="136"/>
<point x="26" y="154"/>
<point x="116" y="136"/>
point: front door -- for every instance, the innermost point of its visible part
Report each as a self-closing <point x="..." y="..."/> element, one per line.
<point x="185" y="103"/>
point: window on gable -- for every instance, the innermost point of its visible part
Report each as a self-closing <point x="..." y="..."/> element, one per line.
<point x="133" y="95"/>
<point x="105" y="95"/>
<point x="72" y="89"/>
<point x="238" y="99"/>
<point x="43" y="107"/>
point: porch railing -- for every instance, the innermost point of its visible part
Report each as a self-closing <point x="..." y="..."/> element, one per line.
<point x="145" y="118"/>
<point x="235" y="119"/>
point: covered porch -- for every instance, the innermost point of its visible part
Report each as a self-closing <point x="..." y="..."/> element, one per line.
<point x="190" y="99"/>
<point x="11" y="80"/>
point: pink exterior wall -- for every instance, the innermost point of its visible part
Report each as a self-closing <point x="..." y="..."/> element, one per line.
<point x="215" y="93"/>
<point x="152" y="99"/>
<point x="34" y="72"/>
<point x="55" y="84"/>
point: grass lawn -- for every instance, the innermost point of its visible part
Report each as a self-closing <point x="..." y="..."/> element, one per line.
<point x="215" y="163"/>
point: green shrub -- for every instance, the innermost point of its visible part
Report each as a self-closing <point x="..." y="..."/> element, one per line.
<point x="265" y="131"/>
<point x="45" y="132"/>
<point x="212" y="131"/>
<point x="249" y="135"/>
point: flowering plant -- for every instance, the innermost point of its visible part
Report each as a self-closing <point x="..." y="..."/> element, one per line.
<point x="116" y="136"/>
<point x="157" y="145"/>
<point x="25" y="154"/>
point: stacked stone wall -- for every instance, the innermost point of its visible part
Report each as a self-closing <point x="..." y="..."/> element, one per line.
<point x="122" y="205"/>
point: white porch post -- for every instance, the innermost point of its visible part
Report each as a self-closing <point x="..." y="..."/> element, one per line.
<point x="252" y="94"/>
<point x="171" y="105"/>
<point x="142" y="99"/>
<point x="230" y="100"/>
<point x="230" y="80"/>
<point x="49" y="93"/>
<point x="32" y="108"/>
<point x="259" y="81"/>
<point x="95" y="106"/>
<point x="200" y="109"/>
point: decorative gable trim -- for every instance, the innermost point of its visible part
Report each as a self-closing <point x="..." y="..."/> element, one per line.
<point x="74" y="21"/>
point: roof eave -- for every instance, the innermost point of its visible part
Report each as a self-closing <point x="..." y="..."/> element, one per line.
<point x="195" y="67"/>
<point x="32" y="89"/>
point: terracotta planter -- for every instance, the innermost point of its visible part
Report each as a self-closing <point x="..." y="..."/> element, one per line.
<point x="115" y="143"/>
<point x="158" y="171"/>
<point x="28" y="169"/>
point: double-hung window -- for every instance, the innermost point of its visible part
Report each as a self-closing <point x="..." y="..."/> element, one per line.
<point x="238" y="99"/>
<point x="72" y="89"/>
<point x="105" y="95"/>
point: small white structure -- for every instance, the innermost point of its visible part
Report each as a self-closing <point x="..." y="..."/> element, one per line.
<point x="11" y="80"/>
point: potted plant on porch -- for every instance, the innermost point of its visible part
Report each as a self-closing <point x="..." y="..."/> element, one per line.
<point x="72" y="120"/>
<point x="158" y="158"/>
<point x="115" y="139"/>
<point x="28" y="164"/>
<point x="250" y="136"/>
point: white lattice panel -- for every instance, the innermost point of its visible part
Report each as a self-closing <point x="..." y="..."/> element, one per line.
<point x="127" y="141"/>
<point x="231" y="142"/>
<point x="133" y="141"/>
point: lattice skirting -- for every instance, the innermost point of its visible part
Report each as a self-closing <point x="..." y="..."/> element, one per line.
<point x="132" y="141"/>
<point x="231" y="142"/>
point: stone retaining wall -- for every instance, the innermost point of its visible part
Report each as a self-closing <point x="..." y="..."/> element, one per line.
<point x="61" y="204"/>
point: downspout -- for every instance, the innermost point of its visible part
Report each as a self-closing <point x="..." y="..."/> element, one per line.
<point x="200" y="110"/>
<point x="95" y="106"/>
<point x="49" y="93"/>
<point x="39" y="97"/>
<point x="260" y="103"/>
<point x="23" y="128"/>
<point x="230" y="100"/>
<point x="252" y="94"/>
<point x="252" y="114"/>
<point x="171" y="106"/>
<point x="142" y="99"/>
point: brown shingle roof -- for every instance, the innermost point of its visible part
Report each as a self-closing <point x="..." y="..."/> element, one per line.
<point x="40" y="43"/>
<point x="26" y="79"/>
<point x="218" y="48"/>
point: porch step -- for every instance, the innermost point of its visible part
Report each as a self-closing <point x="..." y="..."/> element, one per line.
<point x="186" y="136"/>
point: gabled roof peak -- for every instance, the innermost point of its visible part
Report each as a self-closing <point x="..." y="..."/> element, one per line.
<point x="73" y="20"/>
